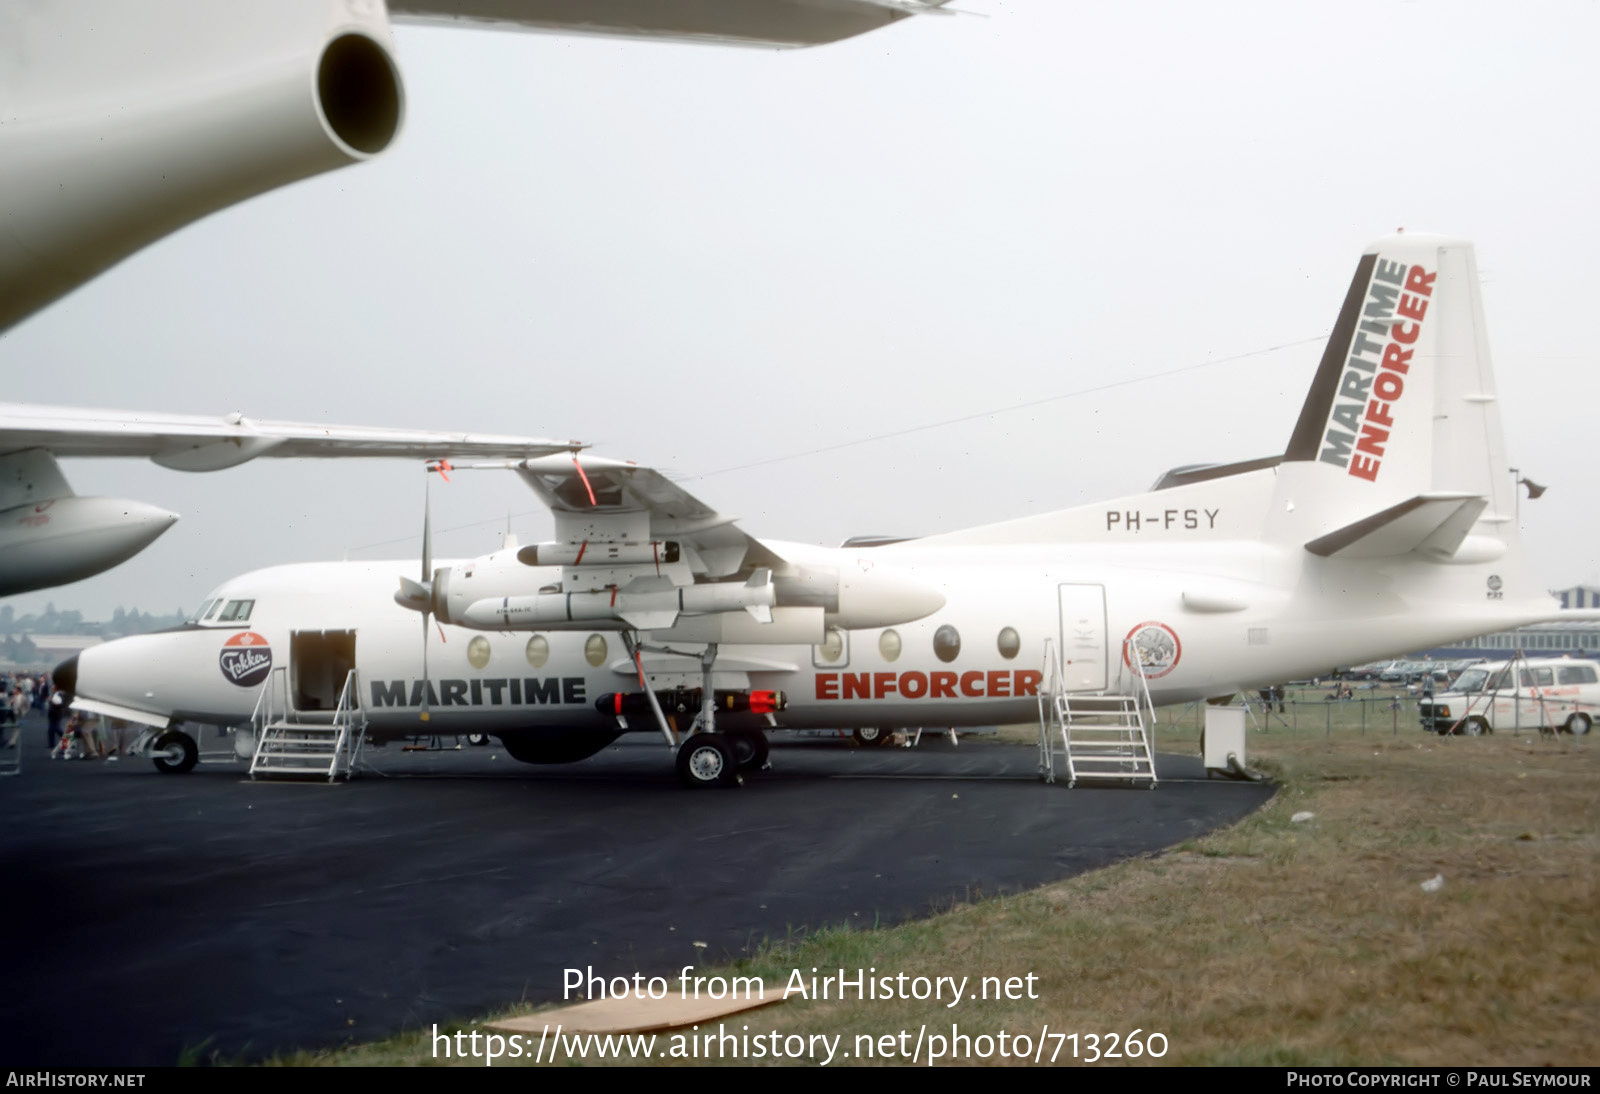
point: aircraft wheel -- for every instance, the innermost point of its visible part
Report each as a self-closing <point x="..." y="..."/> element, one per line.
<point x="174" y="753"/>
<point x="1578" y="725"/>
<point x="708" y="759"/>
<point x="750" y="748"/>
<point x="870" y="735"/>
<point x="477" y="739"/>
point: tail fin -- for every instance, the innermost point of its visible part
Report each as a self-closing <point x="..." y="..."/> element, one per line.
<point x="1397" y="451"/>
<point x="1398" y="446"/>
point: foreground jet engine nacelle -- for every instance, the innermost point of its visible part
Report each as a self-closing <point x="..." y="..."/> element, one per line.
<point x="68" y="539"/>
<point x="118" y="130"/>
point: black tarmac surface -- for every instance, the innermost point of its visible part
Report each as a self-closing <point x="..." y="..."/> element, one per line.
<point x="146" y="915"/>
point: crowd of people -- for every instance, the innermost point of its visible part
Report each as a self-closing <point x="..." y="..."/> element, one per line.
<point x="70" y="733"/>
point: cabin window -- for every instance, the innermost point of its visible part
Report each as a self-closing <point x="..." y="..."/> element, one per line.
<point x="1009" y="642"/>
<point x="946" y="643"/>
<point x="832" y="647"/>
<point x="237" y="611"/>
<point x="478" y="652"/>
<point x="594" y="650"/>
<point x="538" y="651"/>
<point x="889" y="645"/>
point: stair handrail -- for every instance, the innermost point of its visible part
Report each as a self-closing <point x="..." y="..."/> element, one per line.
<point x="263" y="714"/>
<point x="1130" y="657"/>
<point x="1051" y="674"/>
<point x="347" y="716"/>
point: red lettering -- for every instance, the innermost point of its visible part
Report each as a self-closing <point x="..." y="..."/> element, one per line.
<point x="999" y="684"/>
<point x="827" y="685"/>
<point x="1420" y="281"/>
<point x="1388" y="386"/>
<point x="1396" y="358"/>
<point x="883" y="683"/>
<point x="1412" y="308"/>
<point x="1399" y="333"/>
<point x="1378" y="413"/>
<point x="857" y="686"/>
<point x="1363" y="468"/>
<point x="1026" y="682"/>
<point x="1372" y="439"/>
<point x="972" y="684"/>
<point x="944" y="685"/>
<point x="913" y="685"/>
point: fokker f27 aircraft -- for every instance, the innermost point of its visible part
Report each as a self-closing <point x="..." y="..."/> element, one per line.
<point x="1386" y="524"/>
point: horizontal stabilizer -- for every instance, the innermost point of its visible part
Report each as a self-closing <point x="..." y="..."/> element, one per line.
<point x="1436" y="524"/>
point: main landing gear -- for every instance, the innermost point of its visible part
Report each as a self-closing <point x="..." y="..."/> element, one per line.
<point x="706" y="757"/>
<point x="720" y="759"/>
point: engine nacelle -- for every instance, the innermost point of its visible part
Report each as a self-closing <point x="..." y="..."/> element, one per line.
<point x="55" y="541"/>
<point x="124" y="122"/>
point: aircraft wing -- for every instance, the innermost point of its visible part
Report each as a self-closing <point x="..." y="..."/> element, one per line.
<point x="186" y="442"/>
<point x="736" y="22"/>
<point x="598" y="499"/>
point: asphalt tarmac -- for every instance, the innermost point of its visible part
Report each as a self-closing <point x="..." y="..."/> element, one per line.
<point x="150" y="918"/>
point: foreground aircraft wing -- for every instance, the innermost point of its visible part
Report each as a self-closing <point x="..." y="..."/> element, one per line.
<point x="598" y="499"/>
<point x="635" y="548"/>
<point x="191" y="442"/>
<point x="733" y="22"/>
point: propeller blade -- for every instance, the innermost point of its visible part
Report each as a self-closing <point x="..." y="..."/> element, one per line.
<point x="426" y="686"/>
<point x="427" y="529"/>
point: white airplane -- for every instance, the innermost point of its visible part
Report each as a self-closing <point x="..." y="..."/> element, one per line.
<point x="1386" y="524"/>
<point x="50" y="536"/>
<point x="122" y="122"/>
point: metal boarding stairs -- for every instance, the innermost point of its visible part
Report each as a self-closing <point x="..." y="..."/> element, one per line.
<point x="307" y="743"/>
<point x="1101" y="735"/>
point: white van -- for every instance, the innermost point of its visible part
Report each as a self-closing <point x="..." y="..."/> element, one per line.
<point x="1552" y="693"/>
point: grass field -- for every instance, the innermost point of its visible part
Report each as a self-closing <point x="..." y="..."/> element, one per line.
<point x="1277" y="942"/>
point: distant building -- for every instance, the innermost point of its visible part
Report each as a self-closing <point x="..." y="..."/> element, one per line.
<point x="1579" y="596"/>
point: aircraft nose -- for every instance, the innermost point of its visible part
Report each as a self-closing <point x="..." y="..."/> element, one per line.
<point x="65" y="676"/>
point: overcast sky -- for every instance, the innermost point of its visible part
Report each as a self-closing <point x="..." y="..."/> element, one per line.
<point x="703" y="258"/>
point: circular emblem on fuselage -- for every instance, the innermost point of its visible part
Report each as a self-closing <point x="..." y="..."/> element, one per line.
<point x="1495" y="582"/>
<point x="1157" y="647"/>
<point x="246" y="659"/>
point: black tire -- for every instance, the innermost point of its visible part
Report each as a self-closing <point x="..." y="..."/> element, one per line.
<point x="174" y="753"/>
<point x="477" y="740"/>
<point x="1578" y="724"/>
<point x="750" y="748"/>
<point x="706" y="760"/>
<point x="870" y="735"/>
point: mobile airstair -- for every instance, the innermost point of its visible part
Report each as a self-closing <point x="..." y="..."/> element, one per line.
<point x="306" y="744"/>
<point x="1099" y="735"/>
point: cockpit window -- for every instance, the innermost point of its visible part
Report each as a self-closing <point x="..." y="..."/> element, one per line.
<point x="237" y="611"/>
<point x="201" y="612"/>
<point x="211" y="610"/>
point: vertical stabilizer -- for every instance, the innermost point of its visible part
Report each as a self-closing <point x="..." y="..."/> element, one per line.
<point x="1403" y="408"/>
